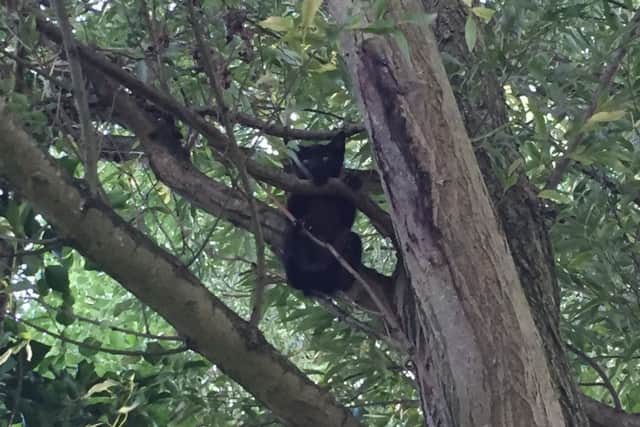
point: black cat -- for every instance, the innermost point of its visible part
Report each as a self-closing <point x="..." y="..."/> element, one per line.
<point x="309" y="267"/>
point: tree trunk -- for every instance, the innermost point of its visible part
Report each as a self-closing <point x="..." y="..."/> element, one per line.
<point x="478" y="354"/>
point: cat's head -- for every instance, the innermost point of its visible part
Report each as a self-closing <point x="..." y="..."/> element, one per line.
<point x="319" y="162"/>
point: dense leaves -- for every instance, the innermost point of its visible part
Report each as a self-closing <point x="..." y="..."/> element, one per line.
<point x="77" y="349"/>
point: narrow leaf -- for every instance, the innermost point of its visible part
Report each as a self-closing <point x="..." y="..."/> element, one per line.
<point x="403" y="44"/>
<point x="470" y="32"/>
<point x="57" y="278"/>
<point x="100" y="387"/>
<point x="555" y="196"/>
<point x="277" y="23"/>
<point x="309" y="10"/>
<point x="605" y="116"/>
<point x="483" y="13"/>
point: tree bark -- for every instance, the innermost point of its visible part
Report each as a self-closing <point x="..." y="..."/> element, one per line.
<point x="479" y="359"/>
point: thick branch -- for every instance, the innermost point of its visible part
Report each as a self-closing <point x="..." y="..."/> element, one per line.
<point x="602" y="415"/>
<point x="161" y="281"/>
<point x="217" y="140"/>
<point x="210" y="195"/>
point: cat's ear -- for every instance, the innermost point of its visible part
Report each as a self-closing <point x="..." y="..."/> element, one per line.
<point x="339" y="140"/>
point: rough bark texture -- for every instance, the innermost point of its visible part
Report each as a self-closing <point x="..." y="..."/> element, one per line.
<point x="483" y="109"/>
<point x="163" y="283"/>
<point x="481" y="359"/>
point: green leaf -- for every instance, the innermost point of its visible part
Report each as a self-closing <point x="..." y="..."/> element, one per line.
<point x="420" y="19"/>
<point x="65" y="317"/>
<point x="100" y="387"/>
<point x="518" y="163"/>
<point x="383" y="26"/>
<point x="555" y="196"/>
<point x="379" y="9"/>
<point x="57" y="278"/>
<point x="91" y="347"/>
<point x="5" y="356"/>
<point x="277" y="23"/>
<point x="470" y="32"/>
<point x="604" y="116"/>
<point x="483" y="13"/>
<point x="118" y="198"/>
<point x="403" y="45"/>
<point x="153" y="352"/>
<point x="309" y="10"/>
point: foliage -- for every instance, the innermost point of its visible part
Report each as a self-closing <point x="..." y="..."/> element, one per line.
<point x="81" y="350"/>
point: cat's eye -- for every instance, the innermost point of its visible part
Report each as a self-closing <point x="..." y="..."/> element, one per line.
<point x="325" y="158"/>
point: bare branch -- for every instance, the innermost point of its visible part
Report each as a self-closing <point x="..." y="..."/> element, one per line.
<point x="601" y="415"/>
<point x="90" y="144"/>
<point x="275" y="129"/>
<point x="110" y="326"/>
<point x="100" y="348"/>
<point x="605" y="379"/>
<point x="238" y="159"/>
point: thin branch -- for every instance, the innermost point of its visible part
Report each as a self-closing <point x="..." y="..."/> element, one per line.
<point x="80" y="95"/>
<point x="605" y="379"/>
<point x="239" y="161"/>
<point x="605" y="82"/>
<point x="112" y="327"/>
<point x="346" y="317"/>
<point x="217" y="140"/>
<point x="409" y="403"/>
<point x="275" y="129"/>
<point x="116" y="351"/>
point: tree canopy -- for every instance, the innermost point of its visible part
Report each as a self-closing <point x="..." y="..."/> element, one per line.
<point x="174" y="123"/>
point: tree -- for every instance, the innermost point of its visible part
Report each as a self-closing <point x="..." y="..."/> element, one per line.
<point x="471" y="317"/>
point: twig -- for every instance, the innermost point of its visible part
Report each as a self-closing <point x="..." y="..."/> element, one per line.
<point x="150" y="21"/>
<point x="135" y="353"/>
<point x="80" y="95"/>
<point x="239" y="161"/>
<point x="348" y="318"/>
<point x="605" y="82"/>
<point x="112" y="327"/>
<point x="275" y="129"/>
<point x="204" y="243"/>
<point x="605" y="379"/>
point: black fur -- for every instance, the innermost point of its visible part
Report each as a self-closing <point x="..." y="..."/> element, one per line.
<point x="309" y="267"/>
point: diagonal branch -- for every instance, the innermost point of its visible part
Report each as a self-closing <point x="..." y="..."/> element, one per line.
<point x="218" y="141"/>
<point x="212" y="196"/>
<point x="238" y="159"/>
<point x="603" y="375"/>
<point x="160" y="281"/>
<point x="89" y="142"/>
<point x="99" y="348"/>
